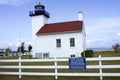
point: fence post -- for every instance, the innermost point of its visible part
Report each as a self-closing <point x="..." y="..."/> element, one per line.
<point x="56" y="71"/>
<point x="20" y="68"/>
<point x="100" y="67"/>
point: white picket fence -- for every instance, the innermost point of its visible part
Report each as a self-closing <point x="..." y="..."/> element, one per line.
<point x="56" y="67"/>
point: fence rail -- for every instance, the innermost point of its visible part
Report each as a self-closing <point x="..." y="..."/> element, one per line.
<point x="56" y="67"/>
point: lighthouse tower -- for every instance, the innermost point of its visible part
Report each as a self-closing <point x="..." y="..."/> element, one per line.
<point x="39" y="17"/>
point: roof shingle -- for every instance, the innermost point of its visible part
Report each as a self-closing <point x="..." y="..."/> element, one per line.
<point x="61" y="27"/>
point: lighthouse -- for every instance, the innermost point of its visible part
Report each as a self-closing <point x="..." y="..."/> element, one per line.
<point x="61" y="39"/>
<point x="39" y="17"/>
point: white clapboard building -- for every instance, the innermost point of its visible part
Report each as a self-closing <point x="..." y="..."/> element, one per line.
<point x="62" y="39"/>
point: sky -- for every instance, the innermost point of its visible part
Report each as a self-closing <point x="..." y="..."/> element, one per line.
<point x="101" y="19"/>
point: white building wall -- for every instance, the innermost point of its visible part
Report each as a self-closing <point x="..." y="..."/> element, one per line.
<point x="47" y="43"/>
<point x="37" y="22"/>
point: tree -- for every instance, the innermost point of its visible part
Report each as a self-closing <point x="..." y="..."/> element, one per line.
<point x="21" y="48"/>
<point x="29" y="48"/>
<point x="88" y="53"/>
<point x="116" y="47"/>
<point x="18" y="49"/>
<point x="7" y="52"/>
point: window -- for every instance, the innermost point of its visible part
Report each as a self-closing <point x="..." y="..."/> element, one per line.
<point x="58" y="42"/>
<point x="72" y="42"/>
<point x="45" y="55"/>
<point x="38" y="55"/>
<point x="72" y="55"/>
<point x="38" y="8"/>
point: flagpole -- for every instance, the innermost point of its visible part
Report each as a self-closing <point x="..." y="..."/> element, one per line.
<point x="20" y="70"/>
<point x="20" y="46"/>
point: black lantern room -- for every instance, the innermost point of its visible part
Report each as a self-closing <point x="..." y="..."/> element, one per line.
<point x="39" y="10"/>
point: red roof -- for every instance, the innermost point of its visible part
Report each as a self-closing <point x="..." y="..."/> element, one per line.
<point x="61" y="27"/>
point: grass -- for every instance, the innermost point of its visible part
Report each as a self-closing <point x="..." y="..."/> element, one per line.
<point x="2" y="77"/>
<point x="102" y="53"/>
<point x="16" y="57"/>
<point x="106" y="54"/>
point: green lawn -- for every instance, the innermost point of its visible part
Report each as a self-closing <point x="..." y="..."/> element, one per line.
<point x="103" y="54"/>
<point x="107" y="54"/>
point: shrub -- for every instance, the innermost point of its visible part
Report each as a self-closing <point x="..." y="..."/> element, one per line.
<point x="116" y="47"/>
<point x="88" y="53"/>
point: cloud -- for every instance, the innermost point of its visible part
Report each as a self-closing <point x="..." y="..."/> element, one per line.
<point x="13" y="2"/>
<point x="22" y="39"/>
<point x="103" y="32"/>
<point x="104" y="23"/>
<point x="14" y="45"/>
<point x="103" y="28"/>
<point x="97" y="43"/>
<point x="4" y="45"/>
<point x="118" y="33"/>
